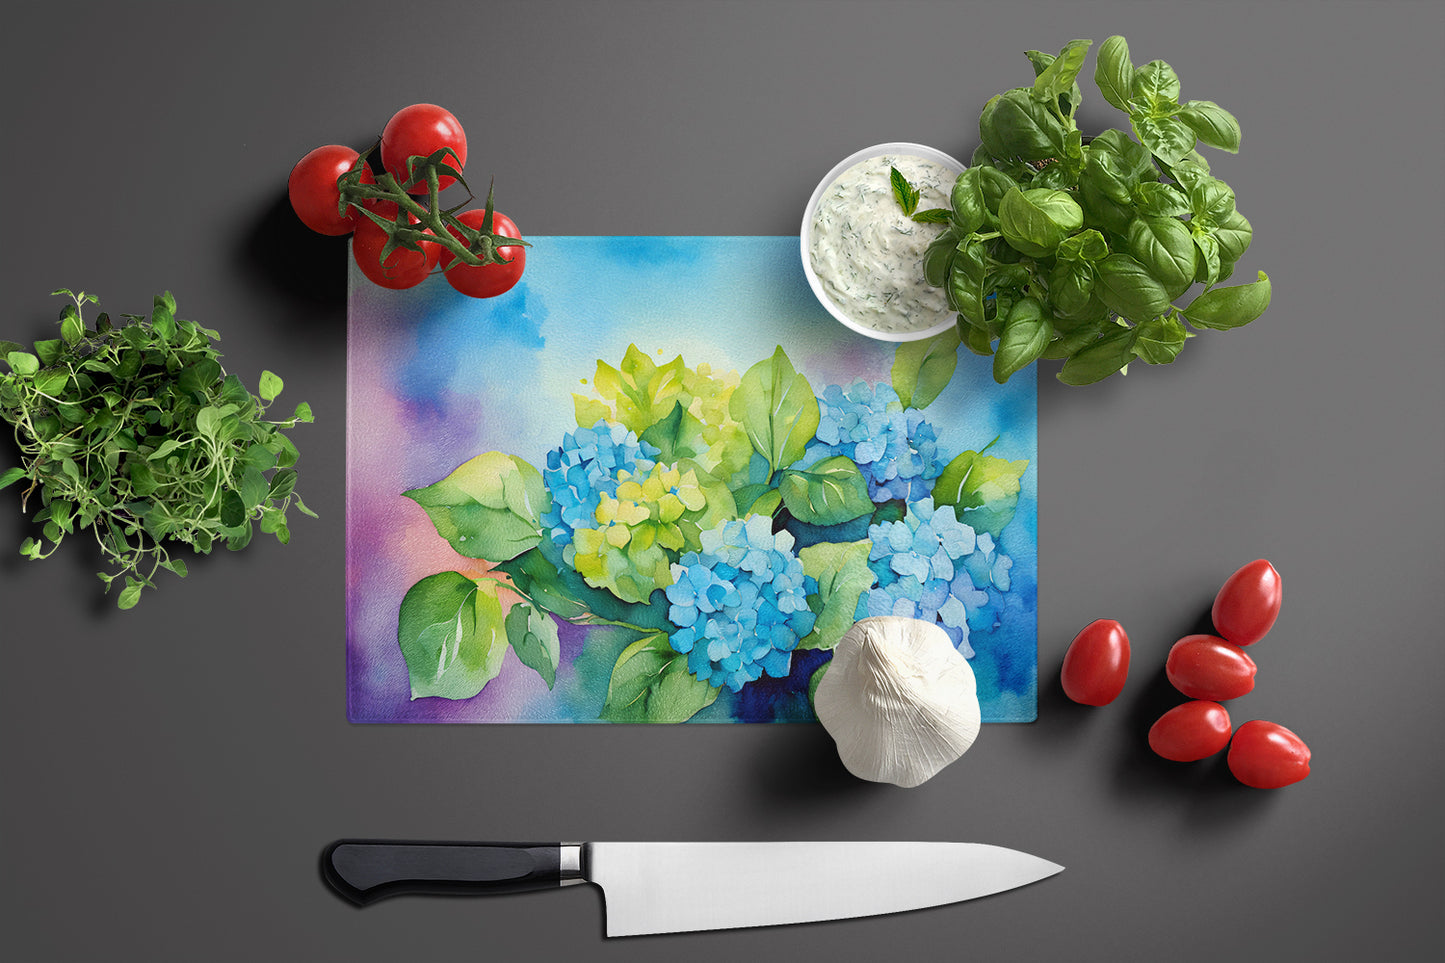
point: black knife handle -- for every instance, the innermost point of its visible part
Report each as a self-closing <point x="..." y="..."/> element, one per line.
<point x="366" y="870"/>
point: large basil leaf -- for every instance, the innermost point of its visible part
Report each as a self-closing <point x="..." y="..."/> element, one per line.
<point x="1071" y="285"/>
<point x="1100" y="359"/>
<point x="966" y="279"/>
<point x="488" y="508"/>
<point x="1128" y="288"/>
<point x="1232" y="307"/>
<point x="452" y="636"/>
<point x="1210" y="264"/>
<point x="938" y="257"/>
<point x="1015" y="125"/>
<point x="1157" y="199"/>
<point x="1114" y="72"/>
<point x="777" y="409"/>
<point x="970" y="211"/>
<point x="1025" y="335"/>
<point x="1156" y="89"/>
<point x="1168" y="139"/>
<point x="1233" y="235"/>
<point x="1035" y="221"/>
<point x="1210" y="199"/>
<point x="1212" y="124"/>
<point x="651" y="683"/>
<point x="1159" y="340"/>
<point x="1165" y="247"/>
<point x="922" y="369"/>
<point x="1085" y="246"/>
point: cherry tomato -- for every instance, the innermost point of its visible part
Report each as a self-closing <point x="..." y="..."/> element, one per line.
<point x="403" y="268"/>
<point x="487" y="280"/>
<point x="421" y="130"/>
<point x="1206" y="667"/>
<point x="313" y="192"/>
<point x="1097" y="663"/>
<point x="1191" y="731"/>
<point x="1266" y="755"/>
<point x="1248" y="604"/>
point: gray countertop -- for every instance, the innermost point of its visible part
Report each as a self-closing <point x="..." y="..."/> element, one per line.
<point x="172" y="773"/>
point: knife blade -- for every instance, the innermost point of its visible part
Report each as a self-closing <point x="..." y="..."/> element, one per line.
<point x="660" y="887"/>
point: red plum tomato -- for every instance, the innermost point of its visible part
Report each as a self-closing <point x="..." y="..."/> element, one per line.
<point x="420" y="131"/>
<point x="487" y="280"/>
<point x="1207" y="667"/>
<point x="1097" y="663"/>
<point x="313" y="191"/>
<point x="1195" y="730"/>
<point x="403" y="268"/>
<point x="1266" y="755"/>
<point x="1247" y="605"/>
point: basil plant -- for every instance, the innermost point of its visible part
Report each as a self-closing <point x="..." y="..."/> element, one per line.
<point x="1063" y="249"/>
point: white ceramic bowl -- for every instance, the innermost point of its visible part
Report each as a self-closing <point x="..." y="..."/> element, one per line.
<point x="946" y="318"/>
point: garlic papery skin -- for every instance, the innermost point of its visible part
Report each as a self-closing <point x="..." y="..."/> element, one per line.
<point x="899" y="700"/>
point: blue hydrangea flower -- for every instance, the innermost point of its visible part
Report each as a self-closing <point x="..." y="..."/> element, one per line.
<point x="581" y="469"/>
<point x="740" y="604"/>
<point x="933" y="567"/>
<point x="896" y="450"/>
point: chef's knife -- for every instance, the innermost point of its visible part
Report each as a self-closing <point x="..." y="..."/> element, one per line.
<point x="676" y="887"/>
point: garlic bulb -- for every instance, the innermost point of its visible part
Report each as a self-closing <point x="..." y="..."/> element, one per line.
<point x="900" y="701"/>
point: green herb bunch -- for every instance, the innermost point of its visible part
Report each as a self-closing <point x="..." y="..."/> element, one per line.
<point x="1061" y="249"/>
<point x="137" y="434"/>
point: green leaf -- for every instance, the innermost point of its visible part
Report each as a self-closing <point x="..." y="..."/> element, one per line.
<point x="903" y="192"/>
<point x="1114" y="72"/>
<point x="922" y="369"/>
<point x="1086" y="245"/>
<point x="163" y="318"/>
<point x="283" y="483"/>
<point x="1026" y="334"/>
<point x="777" y="409"/>
<point x="208" y="421"/>
<point x="254" y="488"/>
<point x="831" y="492"/>
<point x="200" y="376"/>
<point x="1035" y="221"/>
<point x="10" y="476"/>
<point x="1058" y="77"/>
<point x="677" y="436"/>
<point x="23" y="363"/>
<point x="303" y="413"/>
<point x="1168" y="139"/>
<point x="270" y="387"/>
<point x="1014" y="125"/>
<point x="1166" y="249"/>
<point x="1100" y="359"/>
<point x="651" y="683"/>
<point x="1159" y="340"/>
<point x="129" y="595"/>
<point x="1157" y="199"/>
<point x="533" y="636"/>
<point x="142" y="481"/>
<point x="452" y="635"/>
<point x="970" y="208"/>
<point x="1212" y="124"/>
<point x="934" y="215"/>
<point x="1071" y="286"/>
<point x="967" y="278"/>
<point x="1127" y="287"/>
<point x="233" y="509"/>
<point x="842" y="573"/>
<point x="1233" y="235"/>
<point x="1156" y="87"/>
<point x="72" y="329"/>
<point x="488" y="508"/>
<point x="1232" y="307"/>
<point x="983" y="490"/>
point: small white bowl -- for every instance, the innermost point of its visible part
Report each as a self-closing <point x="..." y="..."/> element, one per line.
<point x="947" y="318"/>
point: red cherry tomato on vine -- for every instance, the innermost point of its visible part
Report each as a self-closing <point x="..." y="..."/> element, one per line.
<point x="403" y="268"/>
<point x="1097" y="663"/>
<point x="1206" y="667"/>
<point x="1192" y="731"/>
<point x="421" y="130"/>
<point x="1266" y="755"/>
<point x="313" y="192"/>
<point x="487" y="280"/>
<point x="1247" y="605"/>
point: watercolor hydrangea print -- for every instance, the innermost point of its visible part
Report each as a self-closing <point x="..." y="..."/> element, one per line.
<point x="733" y="527"/>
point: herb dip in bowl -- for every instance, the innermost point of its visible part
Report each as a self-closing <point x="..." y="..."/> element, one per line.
<point x="863" y="256"/>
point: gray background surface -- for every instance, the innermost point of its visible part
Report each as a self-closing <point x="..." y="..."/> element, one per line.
<point x="171" y="773"/>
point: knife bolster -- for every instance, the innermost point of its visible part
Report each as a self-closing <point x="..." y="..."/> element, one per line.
<point x="364" y="870"/>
